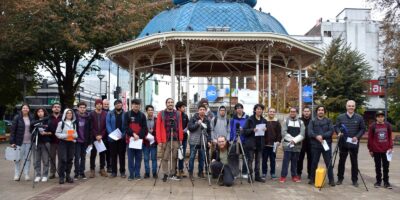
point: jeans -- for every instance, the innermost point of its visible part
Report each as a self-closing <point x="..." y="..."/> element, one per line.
<point x="268" y="153"/>
<point x="227" y="175"/>
<point x="344" y="151"/>
<point x="80" y="158"/>
<point x="53" y="154"/>
<point x="379" y="159"/>
<point x="305" y="152"/>
<point x="41" y="155"/>
<point x="66" y="151"/>
<point x="24" y="155"/>
<point x="150" y="153"/>
<point x="93" y="155"/>
<point x="327" y="155"/>
<point x="292" y="157"/>
<point x="180" y="162"/>
<point x="117" y="151"/>
<point x="134" y="162"/>
<point x="193" y="150"/>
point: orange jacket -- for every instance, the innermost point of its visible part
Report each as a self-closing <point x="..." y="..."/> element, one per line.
<point x="160" y="128"/>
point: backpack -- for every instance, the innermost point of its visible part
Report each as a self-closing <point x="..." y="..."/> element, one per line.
<point x="63" y="124"/>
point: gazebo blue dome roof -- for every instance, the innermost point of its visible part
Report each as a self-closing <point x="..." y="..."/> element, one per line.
<point x="197" y="16"/>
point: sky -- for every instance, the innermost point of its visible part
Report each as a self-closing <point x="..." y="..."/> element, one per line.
<point x="299" y="16"/>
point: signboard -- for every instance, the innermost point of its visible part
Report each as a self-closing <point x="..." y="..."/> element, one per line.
<point x="52" y="101"/>
<point x="375" y="89"/>
<point x="248" y="98"/>
<point x="211" y="93"/>
<point x="307" y="94"/>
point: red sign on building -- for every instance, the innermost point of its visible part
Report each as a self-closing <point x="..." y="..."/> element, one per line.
<point x="375" y="89"/>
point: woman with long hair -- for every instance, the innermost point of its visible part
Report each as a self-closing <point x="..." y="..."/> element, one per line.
<point x="41" y="149"/>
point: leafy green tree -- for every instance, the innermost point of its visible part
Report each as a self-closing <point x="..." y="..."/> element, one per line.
<point x="66" y="37"/>
<point x="341" y="75"/>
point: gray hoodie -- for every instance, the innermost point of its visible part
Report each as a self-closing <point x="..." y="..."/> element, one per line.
<point x="68" y="125"/>
<point x="221" y="127"/>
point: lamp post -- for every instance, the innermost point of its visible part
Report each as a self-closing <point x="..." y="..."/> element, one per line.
<point x="25" y="78"/>
<point x="312" y="96"/>
<point x="100" y="76"/>
<point x="386" y="82"/>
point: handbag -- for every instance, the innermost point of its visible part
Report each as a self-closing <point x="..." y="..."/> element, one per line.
<point x="13" y="154"/>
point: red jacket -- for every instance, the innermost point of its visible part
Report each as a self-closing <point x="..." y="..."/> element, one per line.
<point x="380" y="137"/>
<point x="161" y="135"/>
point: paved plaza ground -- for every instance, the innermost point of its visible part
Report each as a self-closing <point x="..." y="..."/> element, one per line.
<point x="120" y="189"/>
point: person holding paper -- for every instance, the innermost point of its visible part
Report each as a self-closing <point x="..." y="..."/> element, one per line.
<point x="255" y="141"/>
<point x="115" y="120"/>
<point x="320" y="130"/>
<point x="181" y="107"/>
<point x="98" y="133"/>
<point x="66" y="133"/>
<point x="380" y="145"/>
<point x="349" y="125"/>
<point x="292" y="134"/>
<point x="149" y="143"/>
<point x="136" y="126"/>
<point x="83" y="140"/>
<point x="273" y="138"/>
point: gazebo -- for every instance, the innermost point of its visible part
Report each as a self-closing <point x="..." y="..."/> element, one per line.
<point x="213" y="38"/>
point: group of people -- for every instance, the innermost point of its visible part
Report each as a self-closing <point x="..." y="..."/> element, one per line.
<point x="217" y="141"/>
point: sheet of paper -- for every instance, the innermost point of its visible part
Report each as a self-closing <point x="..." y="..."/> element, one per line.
<point x="325" y="145"/>
<point x="89" y="149"/>
<point x="135" y="144"/>
<point x="389" y="156"/>
<point x="115" y="135"/>
<point x="260" y="130"/>
<point x="275" y="146"/>
<point x="100" y="147"/>
<point x="150" y="138"/>
<point x="350" y="140"/>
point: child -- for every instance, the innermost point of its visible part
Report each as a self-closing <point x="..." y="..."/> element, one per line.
<point x="66" y="132"/>
<point x="379" y="143"/>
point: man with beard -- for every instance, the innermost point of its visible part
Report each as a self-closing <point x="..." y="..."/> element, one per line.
<point x="52" y="127"/>
<point x="305" y="148"/>
<point x="181" y="107"/>
<point x="106" y="107"/>
<point x="83" y="129"/>
<point x="273" y="137"/>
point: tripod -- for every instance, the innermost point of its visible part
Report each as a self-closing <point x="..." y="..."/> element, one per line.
<point x="205" y="154"/>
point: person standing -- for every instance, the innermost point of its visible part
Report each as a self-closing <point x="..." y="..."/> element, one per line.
<point x="115" y="120"/>
<point x="20" y="137"/>
<point x="150" y="147"/>
<point x="66" y="133"/>
<point x="273" y="138"/>
<point x="106" y="107"/>
<point x="292" y="134"/>
<point x="239" y="119"/>
<point x="220" y="125"/>
<point x="200" y="131"/>
<point x="181" y="107"/>
<point x="306" y="147"/>
<point x="380" y="143"/>
<point x="349" y="125"/>
<point x="42" y="148"/>
<point x="169" y="137"/>
<point x="52" y="126"/>
<point x="98" y="133"/>
<point x="82" y="124"/>
<point x="320" y="132"/>
<point x="255" y="143"/>
<point x="136" y="126"/>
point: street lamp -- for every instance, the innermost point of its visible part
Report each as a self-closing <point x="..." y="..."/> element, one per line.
<point x="100" y="76"/>
<point x="386" y="82"/>
<point x="312" y="79"/>
<point x="21" y="76"/>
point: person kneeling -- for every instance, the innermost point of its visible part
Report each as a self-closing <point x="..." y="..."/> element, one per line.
<point x="220" y="164"/>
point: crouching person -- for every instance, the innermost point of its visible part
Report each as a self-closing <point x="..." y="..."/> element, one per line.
<point x="66" y="132"/>
<point x="222" y="162"/>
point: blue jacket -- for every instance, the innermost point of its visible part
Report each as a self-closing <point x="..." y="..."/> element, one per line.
<point x="235" y="119"/>
<point x="111" y="125"/>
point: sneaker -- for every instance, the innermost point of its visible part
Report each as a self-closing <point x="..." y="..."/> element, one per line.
<point x="387" y="185"/>
<point x="61" y="181"/>
<point x="259" y="179"/>
<point x="377" y="185"/>
<point x="76" y="177"/>
<point x="146" y="175"/>
<point x="113" y="175"/>
<point x="69" y="179"/>
<point x="282" y="179"/>
<point x="182" y="174"/>
<point x="155" y="175"/>
<point x="103" y="173"/>
<point x="131" y="178"/>
<point x="191" y="176"/>
<point x="332" y="183"/>
<point x="37" y="179"/>
<point x="92" y="174"/>
<point x="201" y="175"/>
<point x="27" y="178"/>
<point x="123" y="175"/>
<point x="16" y="178"/>
<point x="175" y="178"/>
<point x="44" y="179"/>
<point x="83" y="176"/>
<point x="52" y="176"/>
<point x="339" y="182"/>
<point x="109" y="170"/>
<point x="310" y="182"/>
<point x="264" y="176"/>
<point x="355" y="184"/>
<point x="165" y="178"/>
<point x="296" y="179"/>
<point x="245" y="176"/>
<point x="138" y="178"/>
<point x="273" y="176"/>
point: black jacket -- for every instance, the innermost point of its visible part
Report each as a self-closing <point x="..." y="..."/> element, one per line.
<point x="253" y="142"/>
<point x="306" y="141"/>
<point x="321" y="127"/>
<point x="44" y="125"/>
<point x="185" y="122"/>
<point x="18" y="129"/>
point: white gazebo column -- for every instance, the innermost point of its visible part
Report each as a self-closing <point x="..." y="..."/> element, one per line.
<point x="269" y="77"/>
<point x="132" y="77"/>
<point x="173" y="74"/>
<point x="187" y="79"/>
<point x="300" y="91"/>
<point x="258" y="75"/>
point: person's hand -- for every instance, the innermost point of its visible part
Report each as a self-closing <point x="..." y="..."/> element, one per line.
<point x="292" y="142"/>
<point x="135" y="137"/>
<point x="264" y="129"/>
<point x="255" y="129"/>
<point x="150" y="130"/>
<point x="354" y="139"/>
<point x="213" y="160"/>
<point x="340" y="134"/>
<point x="319" y="138"/>
<point x="199" y="122"/>
<point x="209" y="144"/>
<point x="241" y="129"/>
<point x="98" y="138"/>
<point x="371" y="153"/>
<point x="13" y="145"/>
<point x="390" y="150"/>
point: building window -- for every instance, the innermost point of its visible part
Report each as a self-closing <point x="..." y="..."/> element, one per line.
<point x="327" y="34"/>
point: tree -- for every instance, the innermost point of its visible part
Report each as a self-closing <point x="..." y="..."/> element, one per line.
<point x="341" y="75"/>
<point x="66" y="37"/>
